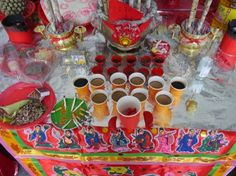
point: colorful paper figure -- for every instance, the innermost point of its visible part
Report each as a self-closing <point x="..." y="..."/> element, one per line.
<point x="39" y="136"/>
<point x="63" y="171"/>
<point x="165" y="140"/>
<point x="118" y="170"/>
<point x="94" y="140"/>
<point x="187" y="140"/>
<point x="119" y="141"/>
<point x="213" y="142"/>
<point x="68" y="140"/>
<point x="143" y="140"/>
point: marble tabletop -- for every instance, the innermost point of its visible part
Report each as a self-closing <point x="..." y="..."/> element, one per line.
<point x="216" y="101"/>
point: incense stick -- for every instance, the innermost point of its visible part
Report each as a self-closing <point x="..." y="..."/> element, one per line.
<point x="192" y="15"/>
<point x="207" y="5"/>
<point x="78" y="106"/>
<point x="52" y="14"/>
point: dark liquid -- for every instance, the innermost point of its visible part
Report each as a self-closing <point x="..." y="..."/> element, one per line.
<point x="178" y="85"/>
<point x="156" y="84"/>
<point x="163" y="99"/>
<point x="140" y="96"/>
<point x="97" y="81"/>
<point x="99" y="98"/>
<point x="81" y="82"/>
<point x="117" y="95"/>
<point x="118" y="81"/>
<point x="159" y="61"/>
<point x="136" y="81"/>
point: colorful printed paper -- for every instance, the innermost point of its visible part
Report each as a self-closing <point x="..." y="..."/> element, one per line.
<point x="78" y="11"/>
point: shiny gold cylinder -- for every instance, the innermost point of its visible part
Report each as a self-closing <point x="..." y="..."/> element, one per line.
<point x="162" y="111"/>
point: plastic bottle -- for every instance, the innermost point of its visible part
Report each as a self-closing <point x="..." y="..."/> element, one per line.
<point x="12" y="57"/>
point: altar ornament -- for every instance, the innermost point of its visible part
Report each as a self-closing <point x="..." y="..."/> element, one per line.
<point x="193" y="34"/>
<point x="64" y="41"/>
<point x="125" y="25"/>
<point x="162" y="111"/>
<point x="177" y="87"/>
<point x="99" y="99"/>
<point x="129" y="108"/>
<point x="62" y="34"/>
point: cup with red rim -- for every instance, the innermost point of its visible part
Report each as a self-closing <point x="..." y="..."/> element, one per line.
<point x="116" y="60"/>
<point x="100" y="59"/>
<point x="131" y="60"/>
<point x="157" y="71"/>
<point x="98" y="69"/>
<point x="112" y="70"/>
<point x="144" y="71"/>
<point x="128" y="70"/>
<point x="145" y="60"/>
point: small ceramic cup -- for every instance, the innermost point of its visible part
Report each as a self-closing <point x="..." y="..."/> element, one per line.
<point x="81" y="85"/>
<point x="155" y="85"/>
<point x="97" y="81"/>
<point x="128" y="108"/>
<point x="118" y="80"/>
<point x="142" y="95"/>
<point x="131" y="60"/>
<point x="116" y="60"/>
<point x="99" y="99"/>
<point x="100" y="59"/>
<point x="117" y="94"/>
<point x="162" y="110"/>
<point x="177" y="88"/>
<point x="136" y="80"/>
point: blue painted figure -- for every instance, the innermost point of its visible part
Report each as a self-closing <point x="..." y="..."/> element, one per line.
<point x="187" y="141"/>
<point x="39" y="136"/>
<point x="93" y="139"/>
<point x="119" y="141"/>
<point x="143" y="140"/>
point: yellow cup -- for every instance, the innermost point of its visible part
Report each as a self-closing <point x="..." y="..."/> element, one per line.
<point x="177" y="88"/>
<point x="155" y="85"/>
<point x="99" y="99"/>
<point x="118" y="80"/>
<point x="136" y="80"/>
<point x="115" y="96"/>
<point x="142" y="95"/>
<point x="97" y="81"/>
<point x="162" y="111"/>
<point x="82" y="88"/>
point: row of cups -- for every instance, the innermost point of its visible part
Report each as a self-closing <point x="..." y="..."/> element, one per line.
<point x="161" y="100"/>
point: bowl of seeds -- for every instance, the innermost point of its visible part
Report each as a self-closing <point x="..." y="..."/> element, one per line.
<point x="23" y="105"/>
